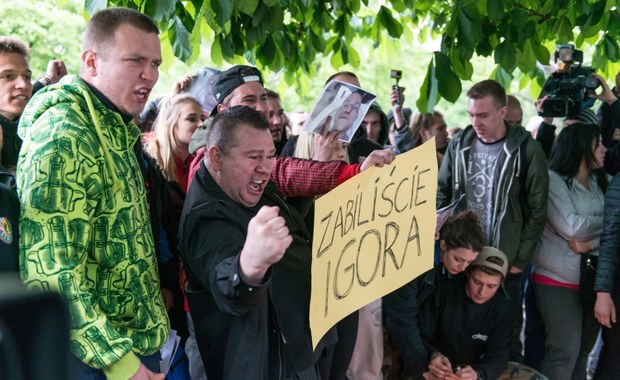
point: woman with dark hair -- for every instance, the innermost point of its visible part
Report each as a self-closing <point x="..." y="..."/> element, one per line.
<point x="460" y="240"/>
<point x="428" y="125"/>
<point x="568" y="249"/>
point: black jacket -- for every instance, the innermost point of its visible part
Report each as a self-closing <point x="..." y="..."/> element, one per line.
<point x="401" y="309"/>
<point x="243" y="331"/>
<point x="609" y="250"/>
<point x="608" y="116"/>
<point x="468" y="333"/>
<point x="9" y="216"/>
<point x="12" y="142"/>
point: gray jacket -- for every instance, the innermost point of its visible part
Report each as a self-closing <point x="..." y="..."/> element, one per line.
<point x="574" y="212"/>
<point x="518" y="218"/>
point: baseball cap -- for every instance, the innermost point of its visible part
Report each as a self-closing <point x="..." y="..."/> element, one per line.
<point x="488" y="253"/>
<point x="227" y="81"/>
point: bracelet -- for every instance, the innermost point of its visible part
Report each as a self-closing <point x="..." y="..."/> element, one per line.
<point x="46" y="80"/>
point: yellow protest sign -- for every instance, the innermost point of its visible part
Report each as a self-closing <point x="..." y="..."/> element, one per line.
<point x="372" y="234"/>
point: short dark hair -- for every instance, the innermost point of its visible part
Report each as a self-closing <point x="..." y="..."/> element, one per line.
<point x="345" y="73"/>
<point x="222" y="132"/>
<point x="491" y="88"/>
<point x="10" y="44"/>
<point x="512" y="101"/>
<point x="102" y="26"/>
<point x="271" y="94"/>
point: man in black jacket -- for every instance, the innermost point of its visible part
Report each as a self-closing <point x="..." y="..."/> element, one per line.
<point x="247" y="259"/>
<point x="467" y="324"/>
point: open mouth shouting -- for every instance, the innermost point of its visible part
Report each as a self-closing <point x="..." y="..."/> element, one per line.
<point x="258" y="185"/>
<point x="142" y="95"/>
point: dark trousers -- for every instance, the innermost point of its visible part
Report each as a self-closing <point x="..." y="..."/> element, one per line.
<point x="334" y="361"/>
<point x="609" y="360"/>
<point x="513" y="285"/>
<point x="534" y="345"/>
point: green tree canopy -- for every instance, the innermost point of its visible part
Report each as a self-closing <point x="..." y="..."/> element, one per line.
<point x="290" y="36"/>
<point x="51" y="32"/>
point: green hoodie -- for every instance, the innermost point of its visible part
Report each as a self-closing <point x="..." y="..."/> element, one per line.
<point x="84" y="226"/>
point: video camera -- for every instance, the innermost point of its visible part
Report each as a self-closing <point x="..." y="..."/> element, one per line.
<point x="568" y="88"/>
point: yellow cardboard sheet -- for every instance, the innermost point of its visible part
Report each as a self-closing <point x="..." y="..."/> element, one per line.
<point x="372" y="234"/>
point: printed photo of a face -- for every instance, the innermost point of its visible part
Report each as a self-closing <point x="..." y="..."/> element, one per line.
<point x="340" y="107"/>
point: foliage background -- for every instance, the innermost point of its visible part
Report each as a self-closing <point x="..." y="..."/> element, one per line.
<point x="374" y="36"/>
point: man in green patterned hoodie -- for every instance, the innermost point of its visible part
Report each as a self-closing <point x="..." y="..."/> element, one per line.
<point x="85" y="229"/>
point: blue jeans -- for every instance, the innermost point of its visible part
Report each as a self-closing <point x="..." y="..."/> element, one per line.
<point x="86" y="372"/>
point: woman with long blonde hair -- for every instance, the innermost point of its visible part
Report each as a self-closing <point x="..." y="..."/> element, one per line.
<point x="168" y="144"/>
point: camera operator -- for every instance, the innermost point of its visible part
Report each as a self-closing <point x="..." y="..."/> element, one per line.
<point x="608" y="120"/>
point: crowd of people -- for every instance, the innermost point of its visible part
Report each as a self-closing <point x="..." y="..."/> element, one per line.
<point x="194" y="212"/>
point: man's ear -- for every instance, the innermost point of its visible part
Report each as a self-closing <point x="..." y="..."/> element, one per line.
<point x="220" y="108"/>
<point x="89" y="61"/>
<point x="214" y="155"/>
<point x="502" y="111"/>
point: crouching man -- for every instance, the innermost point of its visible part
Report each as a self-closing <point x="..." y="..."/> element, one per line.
<point x="248" y="259"/>
<point x="467" y="324"/>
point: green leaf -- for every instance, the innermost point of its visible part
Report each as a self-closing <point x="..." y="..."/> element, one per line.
<point x="266" y="51"/>
<point x="273" y="19"/>
<point x="271" y="3"/>
<point x="278" y="61"/>
<point x="160" y="10"/>
<point x="448" y="82"/>
<point x="337" y="59"/>
<point x="429" y="94"/>
<point x="470" y="30"/>
<point x="216" y="52"/>
<point x="462" y="67"/>
<point x="611" y="49"/>
<point x="596" y="12"/>
<point x="495" y="9"/>
<point x="527" y="59"/>
<point x="246" y="6"/>
<point x="506" y="56"/>
<point x="502" y="76"/>
<point x="394" y="28"/>
<point x="565" y="31"/>
<point x="179" y="39"/>
<point x="167" y="57"/>
<point x="94" y="6"/>
<point x="223" y="11"/>
<point x="227" y="45"/>
<point x="196" y="35"/>
<point x="541" y="52"/>
<point x="210" y="17"/>
<point x="354" y="5"/>
<point x="354" y="57"/>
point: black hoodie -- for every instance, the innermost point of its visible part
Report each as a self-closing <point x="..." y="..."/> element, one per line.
<point x="9" y="216"/>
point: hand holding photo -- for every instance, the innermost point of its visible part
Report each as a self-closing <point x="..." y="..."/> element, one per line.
<point x="342" y="107"/>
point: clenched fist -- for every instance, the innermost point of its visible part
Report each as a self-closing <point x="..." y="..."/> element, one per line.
<point x="267" y="240"/>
